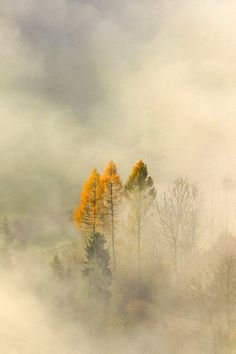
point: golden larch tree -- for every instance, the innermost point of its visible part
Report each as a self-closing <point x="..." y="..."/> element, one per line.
<point x="87" y="217"/>
<point x="112" y="198"/>
<point x="141" y="193"/>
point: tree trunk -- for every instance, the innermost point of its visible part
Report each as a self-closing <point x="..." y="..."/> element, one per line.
<point x="139" y="240"/>
<point x="113" y="232"/>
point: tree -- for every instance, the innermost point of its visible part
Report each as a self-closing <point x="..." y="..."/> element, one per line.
<point x="178" y="214"/>
<point x="7" y="234"/>
<point x="7" y="242"/>
<point x="141" y="192"/>
<point x="215" y="288"/>
<point x="112" y="198"/>
<point x="97" y="266"/>
<point x="223" y="286"/>
<point x="57" y="267"/>
<point x="87" y="216"/>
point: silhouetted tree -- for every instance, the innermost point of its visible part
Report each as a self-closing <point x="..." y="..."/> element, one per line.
<point x="57" y="267"/>
<point x="8" y="237"/>
<point x="97" y="266"/>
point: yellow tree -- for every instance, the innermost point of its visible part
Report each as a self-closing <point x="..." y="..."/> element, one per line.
<point x="87" y="215"/>
<point x="141" y="192"/>
<point x="112" y="197"/>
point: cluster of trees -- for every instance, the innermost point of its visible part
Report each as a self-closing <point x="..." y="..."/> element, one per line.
<point x="146" y="254"/>
<point x="199" y="279"/>
<point x="107" y="203"/>
<point x="104" y="201"/>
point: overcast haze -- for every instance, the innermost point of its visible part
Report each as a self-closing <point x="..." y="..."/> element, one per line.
<point x="84" y="82"/>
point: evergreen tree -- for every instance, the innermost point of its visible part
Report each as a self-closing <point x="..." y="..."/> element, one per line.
<point x="97" y="266"/>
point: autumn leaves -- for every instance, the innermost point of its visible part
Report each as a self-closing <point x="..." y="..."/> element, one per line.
<point x="101" y="204"/>
<point x="88" y="216"/>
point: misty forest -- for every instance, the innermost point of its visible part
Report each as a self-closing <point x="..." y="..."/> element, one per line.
<point x="117" y="177"/>
<point x="142" y="264"/>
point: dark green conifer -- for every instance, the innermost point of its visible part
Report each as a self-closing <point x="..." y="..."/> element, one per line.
<point x="97" y="266"/>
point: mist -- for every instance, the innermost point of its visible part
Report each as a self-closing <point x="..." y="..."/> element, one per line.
<point x="88" y="82"/>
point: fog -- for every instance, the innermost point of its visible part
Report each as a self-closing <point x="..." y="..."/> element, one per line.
<point x="86" y="82"/>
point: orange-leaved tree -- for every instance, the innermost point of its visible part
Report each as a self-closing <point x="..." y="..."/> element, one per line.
<point x="87" y="216"/>
<point x="112" y="199"/>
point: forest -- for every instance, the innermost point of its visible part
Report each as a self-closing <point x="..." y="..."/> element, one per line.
<point x="152" y="269"/>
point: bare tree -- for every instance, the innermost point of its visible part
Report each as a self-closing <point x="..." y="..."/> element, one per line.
<point x="178" y="217"/>
<point x="216" y="291"/>
<point x="224" y="285"/>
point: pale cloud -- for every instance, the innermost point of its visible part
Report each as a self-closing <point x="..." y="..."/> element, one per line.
<point x="86" y="82"/>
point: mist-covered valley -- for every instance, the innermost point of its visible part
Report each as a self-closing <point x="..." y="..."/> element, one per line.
<point x="117" y="178"/>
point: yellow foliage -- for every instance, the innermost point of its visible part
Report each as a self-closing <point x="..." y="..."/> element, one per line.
<point x="87" y="215"/>
<point x="112" y="197"/>
<point x="137" y="168"/>
<point x="111" y="182"/>
<point x="138" y="175"/>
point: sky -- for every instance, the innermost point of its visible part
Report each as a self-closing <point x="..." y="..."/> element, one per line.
<point x="86" y="82"/>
